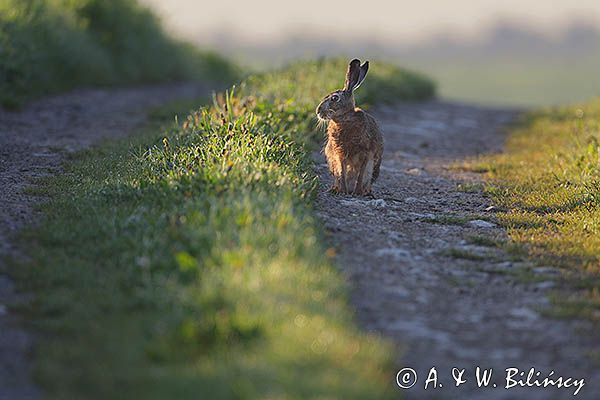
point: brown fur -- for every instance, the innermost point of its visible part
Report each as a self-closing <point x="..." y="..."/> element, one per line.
<point x="354" y="141"/>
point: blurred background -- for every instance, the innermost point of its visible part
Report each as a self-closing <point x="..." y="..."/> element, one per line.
<point x="511" y="52"/>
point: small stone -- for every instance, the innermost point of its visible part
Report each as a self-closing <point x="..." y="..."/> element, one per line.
<point x="421" y="215"/>
<point x="523" y="313"/>
<point x="523" y="265"/>
<point x="479" y="223"/>
<point x="475" y="249"/>
<point x="395" y="253"/>
<point x="393" y="236"/>
<point x="504" y="265"/>
<point x="546" y="271"/>
<point x="377" y="203"/>
<point x="350" y="202"/>
<point x="545" y="285"/>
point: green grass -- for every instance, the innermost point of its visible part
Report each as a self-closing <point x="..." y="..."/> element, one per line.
<point x="48" y="46"/>
<point x="482" y="240"/>
<point x="470" y="187"/>
<point x="187" y="262"/>
<point x="548" y="180"/>
<point x="305" y="83"/>
<point x="454" y="252"/>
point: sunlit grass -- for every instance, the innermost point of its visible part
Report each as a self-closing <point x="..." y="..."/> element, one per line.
<point x="549" y="181"/>
<point x="187" y="263"/>
<point x="304" y="83"/>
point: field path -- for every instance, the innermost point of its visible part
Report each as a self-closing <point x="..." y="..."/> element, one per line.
<point x="33" y="144"/>
<point x="423" y="273"/>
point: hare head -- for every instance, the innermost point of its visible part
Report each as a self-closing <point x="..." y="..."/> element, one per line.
<point x="336" y="104"/>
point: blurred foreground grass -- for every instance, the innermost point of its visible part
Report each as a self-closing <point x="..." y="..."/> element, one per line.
<point x="54" y="45"/>
<point x="187" y="262"/>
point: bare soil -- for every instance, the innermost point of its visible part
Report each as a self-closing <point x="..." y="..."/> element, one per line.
<point x="33" y="144"/>
<point x="420" y="275"/>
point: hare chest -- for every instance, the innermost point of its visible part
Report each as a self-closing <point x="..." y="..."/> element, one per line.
<point x="352" y="168"/>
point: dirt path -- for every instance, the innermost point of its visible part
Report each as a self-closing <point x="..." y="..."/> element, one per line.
<point x="33" y="143"/>
<point x="418" y="278"/>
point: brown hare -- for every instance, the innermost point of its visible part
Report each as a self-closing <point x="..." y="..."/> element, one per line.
<point x="354" y="142"/>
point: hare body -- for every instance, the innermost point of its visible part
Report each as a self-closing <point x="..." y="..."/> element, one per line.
<point x="354" y="145"/>
<point x="354" y="149"/>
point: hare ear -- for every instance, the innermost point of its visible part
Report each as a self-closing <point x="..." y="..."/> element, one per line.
<point x="352" y="75"/>
<point x="363" y="73"/>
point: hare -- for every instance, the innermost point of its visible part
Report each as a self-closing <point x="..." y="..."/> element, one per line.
<point x="354" y="142"/>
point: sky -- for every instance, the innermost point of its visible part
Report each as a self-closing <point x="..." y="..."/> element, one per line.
<point x="389" y="20"/>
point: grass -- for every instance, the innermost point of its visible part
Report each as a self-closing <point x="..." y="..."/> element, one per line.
<point x="548" y="180"/>
<point x="187" y="262"/>
<point x="470" y="187"/>
<point x="455" y="252"/>
<point x="304" y="83"/>
<point x="487" y="241"/>
<point x="48" y="46"/>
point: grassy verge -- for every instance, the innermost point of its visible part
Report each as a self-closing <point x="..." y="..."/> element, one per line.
<point x="187" y="263"/>
<point x="549" y="181"/>
<point x="54" y="45"/>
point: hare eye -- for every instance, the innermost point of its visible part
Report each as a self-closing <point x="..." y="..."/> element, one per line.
<point x="335" y="97"/>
